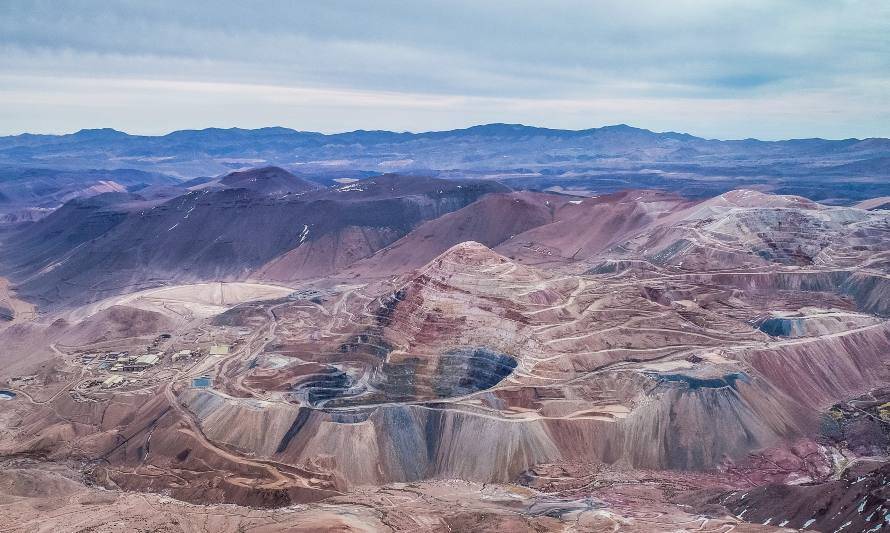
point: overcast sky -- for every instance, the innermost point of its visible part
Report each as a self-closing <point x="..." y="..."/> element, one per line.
<point x="725" y="69"/>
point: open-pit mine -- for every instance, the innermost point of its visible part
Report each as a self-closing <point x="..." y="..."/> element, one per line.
<point x="445" y="356"/>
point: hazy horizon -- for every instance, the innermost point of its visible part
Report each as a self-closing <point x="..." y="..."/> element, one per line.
<point x="421" y="132"/>
<point x="727" y="70"/>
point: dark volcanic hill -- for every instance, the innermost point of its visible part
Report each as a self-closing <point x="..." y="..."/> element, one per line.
<point x="268" y="180"/>
<point x="93" y="248"/>
<point x="491" y="221"/>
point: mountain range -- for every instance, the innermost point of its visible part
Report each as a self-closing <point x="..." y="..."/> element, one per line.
<point x="598" y="159"/>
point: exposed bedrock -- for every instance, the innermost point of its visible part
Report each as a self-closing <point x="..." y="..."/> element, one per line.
<point x="783" y="326"/>
<point x="697" y="423"/>
<point x="409" y="378"/>
<point x="139" y="443"/>
<point x="171" y="458"/>
<point x="856" y="501"/>
<point x="670" y="421"/>
<point x="817" y="372"/>
<point x="656" y="420"/>
<point x="86" y="429"/>
<point x="870" y="292"/>
<point x="812" y="322"/>
<point x="675" y="426"/>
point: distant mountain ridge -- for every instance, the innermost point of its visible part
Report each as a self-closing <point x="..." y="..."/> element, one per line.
<point x="588" y="161"/>
<point x="495" y="128"/>
<point x="27" y="193"/>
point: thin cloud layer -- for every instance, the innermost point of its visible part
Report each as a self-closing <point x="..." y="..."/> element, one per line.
<point x="720" y="69"/>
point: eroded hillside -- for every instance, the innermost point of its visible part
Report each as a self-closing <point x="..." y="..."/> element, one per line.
<point x="710" y="358"/>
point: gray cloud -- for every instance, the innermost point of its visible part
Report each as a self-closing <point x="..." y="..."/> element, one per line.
<point x="793" y="68"/>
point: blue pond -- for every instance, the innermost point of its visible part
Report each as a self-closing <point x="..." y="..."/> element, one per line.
<point x="202" y="382"/>
<point x="7" y="395"/>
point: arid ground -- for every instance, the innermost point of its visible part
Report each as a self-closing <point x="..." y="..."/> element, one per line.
<point x="509" y="361"/>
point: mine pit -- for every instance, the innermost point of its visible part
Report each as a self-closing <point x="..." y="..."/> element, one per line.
<point x="454" y="373"/>
<point x="327" y="383"/>
<point x="470" y="370"/>
<point x="474" y="369"/>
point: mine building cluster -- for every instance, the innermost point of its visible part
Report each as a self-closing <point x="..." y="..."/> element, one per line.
<point x="119" y="363"/>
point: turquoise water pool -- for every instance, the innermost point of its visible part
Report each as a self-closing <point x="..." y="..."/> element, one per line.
<point x="202" y="382"/>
